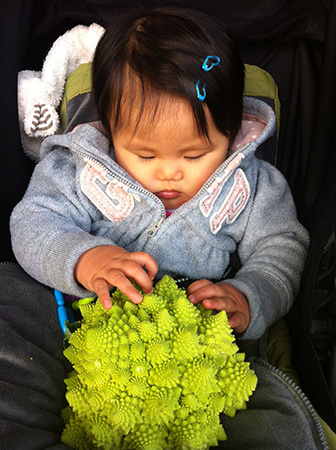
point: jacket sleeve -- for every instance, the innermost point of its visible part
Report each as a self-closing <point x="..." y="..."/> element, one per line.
<point x="50" y="227"/>
<point x="272" y="252"/>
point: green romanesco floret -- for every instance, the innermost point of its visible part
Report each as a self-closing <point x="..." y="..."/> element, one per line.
<point x="153" y="376"/>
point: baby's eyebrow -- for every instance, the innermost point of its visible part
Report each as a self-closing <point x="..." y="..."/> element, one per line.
<point x="196" y="148"/>
<point x="142" y="147"/>
<point x="135" y="144"/>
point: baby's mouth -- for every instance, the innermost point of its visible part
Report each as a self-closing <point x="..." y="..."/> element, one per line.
<point x="168" y="194"/>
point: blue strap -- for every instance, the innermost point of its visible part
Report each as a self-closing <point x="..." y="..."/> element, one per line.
<point x="61" y="309"/>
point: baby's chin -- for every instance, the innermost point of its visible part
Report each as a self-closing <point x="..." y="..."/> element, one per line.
<point x="173" y="203"/>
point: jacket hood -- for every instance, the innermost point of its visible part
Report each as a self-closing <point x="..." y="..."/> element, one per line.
<point x="258" y="124"/>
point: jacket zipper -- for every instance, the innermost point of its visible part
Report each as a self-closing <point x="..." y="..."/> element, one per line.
<point x="304" y="399"/>
<point x="153" y="230"/>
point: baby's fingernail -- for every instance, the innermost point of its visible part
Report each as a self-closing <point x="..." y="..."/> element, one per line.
<point x="107" y="305"/>
<point x="191" y="298"/>
<point x="137" y="298"/>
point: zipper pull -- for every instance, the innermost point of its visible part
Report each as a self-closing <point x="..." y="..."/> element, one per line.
<point x="153" y="230"/>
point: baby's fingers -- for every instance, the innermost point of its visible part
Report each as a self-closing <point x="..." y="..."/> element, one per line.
<point x="237" y="322"/>
<point x="142" y="268"/>
<point x="199" y="290"/>
<point x="217" y="303"/>
<point x="101" y="288"/>
<point x="237" y="319"/>
<point x="119" y="279"/>
<point x="149" y="263"/>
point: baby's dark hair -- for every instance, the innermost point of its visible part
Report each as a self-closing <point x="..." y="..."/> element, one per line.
<point x="143" y="56"/>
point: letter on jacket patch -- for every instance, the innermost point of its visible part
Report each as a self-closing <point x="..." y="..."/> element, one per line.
<point x="207" y="202"/>
<point x="109" y="196"/>
<point x="233" y="204"/>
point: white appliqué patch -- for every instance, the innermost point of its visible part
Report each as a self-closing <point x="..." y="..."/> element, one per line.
<point x="207" y="202"/>
<point x="233" y="204"/>
<point x="235" y="201"/>
<point x="109" y="196"/>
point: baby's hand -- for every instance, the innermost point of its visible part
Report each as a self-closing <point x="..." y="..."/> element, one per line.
<point x="221" y="296"/>
<point x="108" y="266"/>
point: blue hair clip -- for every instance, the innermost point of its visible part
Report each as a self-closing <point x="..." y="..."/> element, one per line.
<point x="200" y="95"/>
<point x="210" y="62"/>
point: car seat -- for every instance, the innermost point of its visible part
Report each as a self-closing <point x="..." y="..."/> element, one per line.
<point x="295" y="42"/>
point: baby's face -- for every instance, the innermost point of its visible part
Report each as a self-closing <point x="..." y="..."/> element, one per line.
<point x="168" y="156"/>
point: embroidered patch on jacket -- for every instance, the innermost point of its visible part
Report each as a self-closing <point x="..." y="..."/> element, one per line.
<point x="233" y="204"/>
<point x="109" y="196"/>
<point x="207" y="202"/>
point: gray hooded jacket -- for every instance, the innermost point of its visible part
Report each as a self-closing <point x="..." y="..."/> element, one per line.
<point x="80" y="198"/>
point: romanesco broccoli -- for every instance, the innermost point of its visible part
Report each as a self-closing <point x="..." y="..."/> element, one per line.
<point x="153" y="376"/>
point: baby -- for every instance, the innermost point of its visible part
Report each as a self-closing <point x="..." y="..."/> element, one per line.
<point x="168" y="181"/>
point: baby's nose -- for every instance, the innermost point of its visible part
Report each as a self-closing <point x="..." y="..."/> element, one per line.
<point x="170" y="172"/>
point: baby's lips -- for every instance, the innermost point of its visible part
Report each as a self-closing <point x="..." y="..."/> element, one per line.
<point x="168" y="194"/>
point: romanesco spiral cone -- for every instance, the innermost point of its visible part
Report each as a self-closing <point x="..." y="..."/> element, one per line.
<point x="153" y="376"/>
